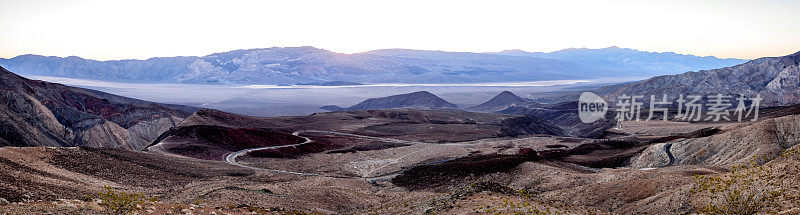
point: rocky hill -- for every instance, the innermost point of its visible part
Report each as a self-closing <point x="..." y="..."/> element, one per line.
<point x="737" y="145"/>
<point x="499" y="102"/>
<point x="565" y="116"/>
<point x="776" y="79"/>
<point x="38" y="113"/>
<point x="415" y="100"/>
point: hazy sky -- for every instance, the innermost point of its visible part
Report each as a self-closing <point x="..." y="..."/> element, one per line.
<point x="140" y="29"/>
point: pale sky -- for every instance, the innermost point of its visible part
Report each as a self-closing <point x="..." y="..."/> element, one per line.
<point x="107" y="29"/>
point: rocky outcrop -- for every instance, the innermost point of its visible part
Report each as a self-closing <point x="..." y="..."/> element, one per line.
<point x="529" y="124"/>
<point x="111" y="135"/>
<point x="37" y="113"/>
<point x="564" y="116"/>
<point x="738" y="145"/>
<point x="150" y="130"/>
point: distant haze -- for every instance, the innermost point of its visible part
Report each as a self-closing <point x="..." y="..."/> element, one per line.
<point x="304" y="100"/>
<point x="293" y="65"/>
<point x="107" y="30"/>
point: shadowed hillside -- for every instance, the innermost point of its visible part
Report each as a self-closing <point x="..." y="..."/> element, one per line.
<point x="38" y="113"/>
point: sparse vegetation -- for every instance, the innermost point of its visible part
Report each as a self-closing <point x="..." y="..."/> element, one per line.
<point x="513" y="201"/>
<point x="120" y="202"/>
<point x="747" y="189"/>
<point x="271" y="210"/>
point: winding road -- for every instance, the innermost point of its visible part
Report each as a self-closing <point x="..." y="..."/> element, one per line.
<point x="231" y="158"/>
<point x="667" y="147"/>
<point x="669" y="153"/>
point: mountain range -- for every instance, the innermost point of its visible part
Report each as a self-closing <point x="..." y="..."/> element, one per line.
<point x="291" y="65"/>
<point x="775" y="79"/>
<point x="39" y="113"/>
<point x="630" y="61"/>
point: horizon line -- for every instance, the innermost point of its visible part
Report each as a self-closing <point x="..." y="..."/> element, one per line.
<point x="363" y="52"/>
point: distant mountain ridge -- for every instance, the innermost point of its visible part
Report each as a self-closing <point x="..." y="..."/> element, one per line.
<point x="291" y="65"/>
<point x="634" y="62"/>
<point x="331" y="83"/>
<point x="776" y="79"/>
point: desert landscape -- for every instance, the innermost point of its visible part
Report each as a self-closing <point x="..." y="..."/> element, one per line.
<point x="422" y="155"/>
<point x="413" y="107"/>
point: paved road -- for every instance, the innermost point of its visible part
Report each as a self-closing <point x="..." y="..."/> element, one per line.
<point x="667" y="147"/>
<point x="231" y="158"/>
<point x="669" y="153"/>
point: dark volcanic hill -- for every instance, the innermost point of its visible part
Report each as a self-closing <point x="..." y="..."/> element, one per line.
<point x="776" y="79"/>
<point x="416" y="100"/>
<point x="564" y="116"/>
<point x="332" y="108"/>
<point x="501" y="101"/>
<point x="38" y="113"/>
